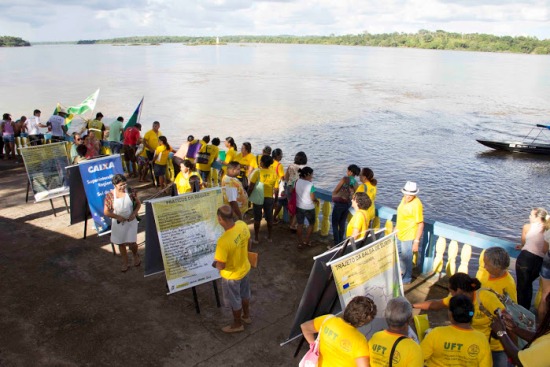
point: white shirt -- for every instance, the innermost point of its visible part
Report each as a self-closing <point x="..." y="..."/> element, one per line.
<point x="303" y="194"/>
<point x="32" y="125"/>
<point x="57" y="122"/>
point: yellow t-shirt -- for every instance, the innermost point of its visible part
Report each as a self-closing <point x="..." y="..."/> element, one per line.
<point x="232" y="249"/>
<point x="214" y="151"/>
<point x="268" y="177"/>
<point x="182" y="182"/>
<point x="247" y="161"/>
<point x="408" y="216"/>
<point x="279" y="171"/>
<point x="205" y="148"/>
<point x="448" y="346"/>
<point x="152" y="139"/>
<point x="234" y="191"/>
<point x="481" y="321"/>
<point x="501" y="285"/>
<point x="340" y="343"/>
<point x="162" y="155"/>
<point x="370" y="190"/>
<point x="230" y="155"/>
<point x="407" y="353"/>
<point x="96" y="127"/>
<point x="534" y="356"/>
<point x="360" y="220"/>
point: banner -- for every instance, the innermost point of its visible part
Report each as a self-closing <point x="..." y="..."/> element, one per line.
<point x="188" y="230"/>
<point x="96" y="177"/>
<point x="371" y="271"/>
<point x="45" y="165"/>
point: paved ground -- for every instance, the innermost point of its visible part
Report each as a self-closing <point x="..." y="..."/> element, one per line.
<point x="64" y="301"/>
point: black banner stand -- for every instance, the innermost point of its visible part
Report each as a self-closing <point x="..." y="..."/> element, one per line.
<point x="51" y="200"/>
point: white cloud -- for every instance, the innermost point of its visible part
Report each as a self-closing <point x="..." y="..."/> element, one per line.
<point x="58" y="20"/>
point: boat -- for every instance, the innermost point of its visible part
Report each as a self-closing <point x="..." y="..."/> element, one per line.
<point x="532" y="147"/>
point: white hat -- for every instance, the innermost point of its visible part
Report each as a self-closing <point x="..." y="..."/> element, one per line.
<point x="410" y="188"/>
<point x="62" y="110"/>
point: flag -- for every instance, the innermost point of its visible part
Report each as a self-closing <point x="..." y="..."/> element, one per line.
<point x="134" y="119"/>
<point x="69" y="117"/>
<point x="87" y="105"/>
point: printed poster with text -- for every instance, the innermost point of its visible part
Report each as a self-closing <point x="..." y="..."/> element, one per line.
<point x="188" y="230"/>
<point x="371" y="271"/>
<point x="45" y="165"/>
<point x="97" y="175"/>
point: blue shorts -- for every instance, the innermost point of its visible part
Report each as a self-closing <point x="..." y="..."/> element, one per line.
<point x="545" y="269"/>
<point x="159" y="170"/>
<point x="9" y="138"/>
<point x="234" y="291"/>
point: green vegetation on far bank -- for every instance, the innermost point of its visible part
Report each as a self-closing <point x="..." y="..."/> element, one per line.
<point x="8" y="41"/>
<point x="437" y="40"/>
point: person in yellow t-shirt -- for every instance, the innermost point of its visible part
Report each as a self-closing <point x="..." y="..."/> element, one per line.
<point x="188" y="180"/>
<point x="496" y="262"/>
<point x="359" y="223"/>
<point x="151" y="140"/>
<point x="234" y="194"/>
<point x="246" y="159"/>
<point x="407" y="353"/>
<point x="231" y="153"/>
<point x="160" y="158"/>
<point x="485" y="304"/>
<point x="458" y="344"/>
<point x="409" y="227"/>
<point x="535" y="353"/>
<point x="268" y="178"/>
<point x="368" y="185"/>
<point x="279" y="196"/>
<point x="340" y="343"/>
<point x="231" y="259"/>
<point x="209" y="152"/>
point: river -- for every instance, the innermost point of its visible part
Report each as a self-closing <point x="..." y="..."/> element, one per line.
<point x="408" y="114"/>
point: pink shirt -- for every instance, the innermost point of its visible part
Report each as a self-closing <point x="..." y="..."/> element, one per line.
<point x="534" y="239"/>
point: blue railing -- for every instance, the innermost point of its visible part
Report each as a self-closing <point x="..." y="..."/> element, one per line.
<point x="433" y="230"/>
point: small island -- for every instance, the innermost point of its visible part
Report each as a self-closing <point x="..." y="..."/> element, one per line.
<point x="8" y="41"/>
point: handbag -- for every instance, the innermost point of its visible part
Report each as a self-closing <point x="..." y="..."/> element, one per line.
<point x="311" y="358"/>
<point x="203" y="157"/>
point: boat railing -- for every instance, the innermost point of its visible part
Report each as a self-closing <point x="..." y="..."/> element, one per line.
<point x="444" y="247"/>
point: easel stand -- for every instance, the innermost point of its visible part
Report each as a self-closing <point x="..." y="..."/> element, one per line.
<point x="325" y="288"/>
<point x="196" y="298"/>
<point x="51" y="200"/>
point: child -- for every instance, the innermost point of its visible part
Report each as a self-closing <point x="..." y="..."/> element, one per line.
<point x="161" y="160"/>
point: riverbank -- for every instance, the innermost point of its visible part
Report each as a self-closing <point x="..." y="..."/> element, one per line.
<point x="65" y="302"/>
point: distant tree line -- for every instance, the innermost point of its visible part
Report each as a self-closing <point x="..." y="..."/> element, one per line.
<point x="8" y="41"/>
<point x="438" y="40"/>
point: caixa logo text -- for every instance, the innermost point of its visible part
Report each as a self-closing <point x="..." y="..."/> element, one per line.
<point x="101" y="167"/>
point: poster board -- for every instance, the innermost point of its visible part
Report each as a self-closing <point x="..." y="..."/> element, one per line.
<point x="45" y="165"/>
<point x="188" y="229"/>
<point x="371" y="271"/>
<point x="96" y="175"/>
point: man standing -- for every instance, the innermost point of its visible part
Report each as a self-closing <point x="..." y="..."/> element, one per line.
<point x="151" y="140"/>
<point x="32" y="127"/>
<point x="97" y="127"/>
<point x="57" y="125"/>
<point x="234" y="194"/>
<point x="114" y="135"/>
<point x="131" y="140"/>
<point x="231" y="259"/>
<point x="409" y="226"/>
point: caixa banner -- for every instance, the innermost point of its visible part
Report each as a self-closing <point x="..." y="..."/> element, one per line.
<point x="96" y="178"/>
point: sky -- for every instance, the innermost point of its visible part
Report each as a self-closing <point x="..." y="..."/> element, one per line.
<point x="71" y="20"/>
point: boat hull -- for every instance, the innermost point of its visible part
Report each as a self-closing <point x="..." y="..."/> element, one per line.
<point x="517" y="147"/>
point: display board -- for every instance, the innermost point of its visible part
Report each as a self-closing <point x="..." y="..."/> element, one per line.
<point x="45" y="165"/>
<point x="187" y="228"/>
<point x="96" y="175"/>
<point x="371" y="271"/>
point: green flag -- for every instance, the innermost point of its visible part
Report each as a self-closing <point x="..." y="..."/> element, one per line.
<point x="134" y="119"/>
<point x="87" y="105"/>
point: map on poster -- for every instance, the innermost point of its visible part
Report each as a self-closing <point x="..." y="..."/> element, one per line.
<point x="371" y="271"/>
<point x="188" y="230"/>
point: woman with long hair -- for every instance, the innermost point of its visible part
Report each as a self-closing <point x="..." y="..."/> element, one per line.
<point x="188" y="180"/>
<point x="535" y="353"/>
<point x="161" y="160"/>
<point x="340" y="343"/>
<point x="486" y="303"/>
<point x="122" y="206"/>
<point x="459" y="341"/>
<point x="341" y="199"/>
<point x="368" y="185"/>
<point x="533" y="248"/>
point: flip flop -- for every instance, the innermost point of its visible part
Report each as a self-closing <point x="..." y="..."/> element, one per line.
<point x="124" y="268"/>
<point x="138" y="264"/>
<point x="229" y="329"/>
